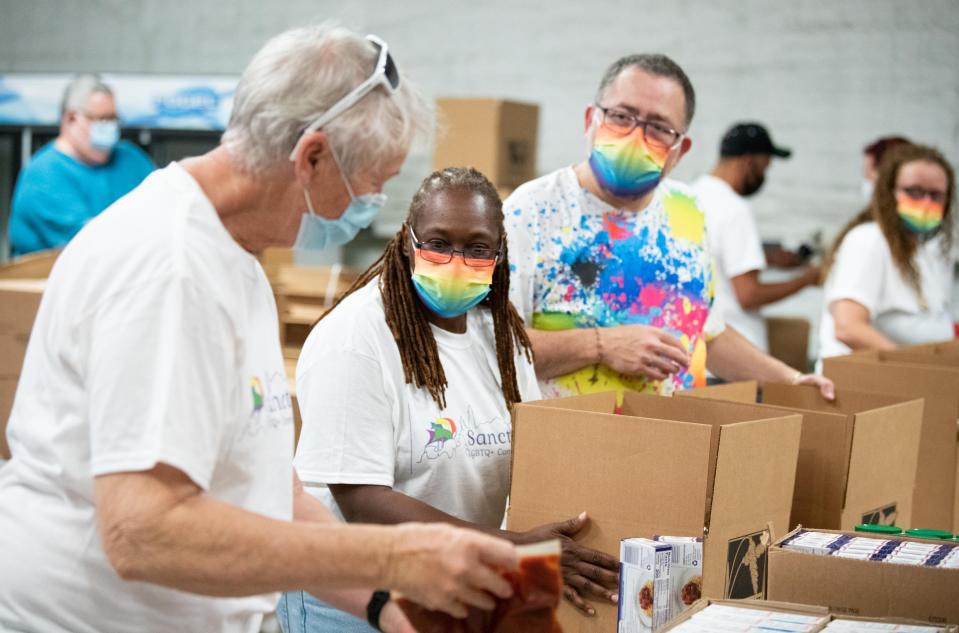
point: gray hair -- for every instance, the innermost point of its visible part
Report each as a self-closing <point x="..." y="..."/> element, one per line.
<point x="78" y="92"/>
<point x="654" y="64"/>
<point x="297" y="76"/>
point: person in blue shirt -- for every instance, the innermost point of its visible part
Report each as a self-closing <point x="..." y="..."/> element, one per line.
<point x="77" y="175"/>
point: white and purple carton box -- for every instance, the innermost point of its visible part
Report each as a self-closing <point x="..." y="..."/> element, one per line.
<point x="644" y="592"/>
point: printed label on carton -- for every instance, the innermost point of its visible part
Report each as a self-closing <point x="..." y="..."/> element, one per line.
<point x="746" y="562"/>
<point x="886" y="515"/>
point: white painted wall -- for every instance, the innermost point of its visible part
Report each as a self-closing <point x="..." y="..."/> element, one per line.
<point x="826" y="76"/>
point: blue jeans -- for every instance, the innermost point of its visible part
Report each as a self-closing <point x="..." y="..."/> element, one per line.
<point x="299" y="612"/>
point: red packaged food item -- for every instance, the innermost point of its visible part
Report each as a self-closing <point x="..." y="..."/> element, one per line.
<point x="537" y="587"/>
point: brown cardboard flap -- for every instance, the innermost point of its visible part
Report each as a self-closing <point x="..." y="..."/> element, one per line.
<point x="825" y="442"/>
<point x="882" y="465"/>
<point x="604" y="402"/>
<point x="730" y="391"/>
<point x="936" y="474"/>
<point x="808" y="397"/>
<point x="754" y="470"/>
<point x="945" y="358"/>
<point x="698" y="411"/>
<point x="755" y="475"/>
<point x="628" y="462"/>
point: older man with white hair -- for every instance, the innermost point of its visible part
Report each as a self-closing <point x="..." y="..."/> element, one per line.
<point x="151" y="486"/>
<point x="77" y="175"/>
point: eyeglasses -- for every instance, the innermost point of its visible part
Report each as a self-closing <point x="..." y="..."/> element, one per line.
<point x="440" y="252"/>
<point x="654" y="132"/>
<point x="918" y="193"/>
<point x="385" y="74"/>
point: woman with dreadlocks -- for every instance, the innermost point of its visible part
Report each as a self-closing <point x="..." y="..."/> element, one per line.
<point x="405" y="387"/>
<point x="889" y="275"/>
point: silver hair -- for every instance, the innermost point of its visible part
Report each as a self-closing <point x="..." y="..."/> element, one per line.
<point x="79" y="91"/>
<point x="301" y="73"/>
<point x="654" y="64"/>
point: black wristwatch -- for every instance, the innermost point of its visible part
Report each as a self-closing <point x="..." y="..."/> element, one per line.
<point x="375" y="606"/>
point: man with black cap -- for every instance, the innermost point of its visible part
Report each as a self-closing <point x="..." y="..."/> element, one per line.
<point x="745" y="154"/>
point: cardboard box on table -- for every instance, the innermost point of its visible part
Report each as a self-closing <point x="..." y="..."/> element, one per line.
<point x="857" y="456"/>
<point x="19" y="302"/>
<point x="788" y="340"/>
<point x="668" y="466"/>
<point x="789" y="607"/>
<point x="495" y="136"/>
<point x="938" y="384"/>
<point x="863" y="587"/>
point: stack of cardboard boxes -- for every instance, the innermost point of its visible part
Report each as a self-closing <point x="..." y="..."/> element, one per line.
<point x="716" y="463"/>
<point x="21" y="286"/>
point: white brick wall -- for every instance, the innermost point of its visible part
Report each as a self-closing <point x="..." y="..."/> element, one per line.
<point x="826" y="76"/>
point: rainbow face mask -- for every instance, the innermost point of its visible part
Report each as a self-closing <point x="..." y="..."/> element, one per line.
<point x="450" y="289"/>
<point x="922" y="216"/>
<point x="626" y="166"/>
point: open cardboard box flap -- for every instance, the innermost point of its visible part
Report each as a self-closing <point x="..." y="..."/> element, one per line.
<point x="939" y="385"/>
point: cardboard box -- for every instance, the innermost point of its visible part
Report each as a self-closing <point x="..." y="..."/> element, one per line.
<point x="496" y="137"/>
<point x="939" y="385"/>
<point x="33" y="266"/>
<point x="862" y="587"/>
<point x="664" y="466"/>
<point x="789" y="341"/>
<point x="792" y="608"/>
<point x="857" y="457"/>
<point x="19" y="302"/>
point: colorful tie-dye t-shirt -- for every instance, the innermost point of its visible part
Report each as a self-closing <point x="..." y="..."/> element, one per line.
<point x="575" y="261"/>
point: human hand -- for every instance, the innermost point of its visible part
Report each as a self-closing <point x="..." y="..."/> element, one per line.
<point x="826" y="386"/>
<point x="393" y="620"/>
<point x="448" y="569"/>
<point x="586" y="572"/>
<point x="642" y="350"/>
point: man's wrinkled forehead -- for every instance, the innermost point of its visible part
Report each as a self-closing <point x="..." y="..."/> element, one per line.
<point x="650" y="96"/>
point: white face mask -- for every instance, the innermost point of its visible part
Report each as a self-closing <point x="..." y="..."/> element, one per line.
<point x="866" y="188"/>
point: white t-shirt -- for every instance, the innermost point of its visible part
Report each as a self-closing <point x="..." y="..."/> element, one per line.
<point x="156" y="342"/>
<point x="737" y="248"/>
<point x="865" y="272"/>
<point x="577" y="262"/>
<point x="362" y="424"/>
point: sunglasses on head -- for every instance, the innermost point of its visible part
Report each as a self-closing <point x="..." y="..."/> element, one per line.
<point x="384" y="74"/>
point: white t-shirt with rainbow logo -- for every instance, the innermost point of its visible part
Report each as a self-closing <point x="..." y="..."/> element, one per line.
<point x="362" y="424"/>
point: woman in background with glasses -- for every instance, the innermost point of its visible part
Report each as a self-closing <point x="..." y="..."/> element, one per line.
<point x="406" y="387"/>
<point x="890" y="273"/>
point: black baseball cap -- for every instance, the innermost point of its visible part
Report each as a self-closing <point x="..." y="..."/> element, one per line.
<point x="750" y="138"/>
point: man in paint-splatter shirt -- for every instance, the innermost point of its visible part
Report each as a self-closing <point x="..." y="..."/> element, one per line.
<point x="610" y="264"/>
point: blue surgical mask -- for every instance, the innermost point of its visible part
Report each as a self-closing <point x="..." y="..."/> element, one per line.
<point x="318" y="233"/>
<point x="104" y="135"/>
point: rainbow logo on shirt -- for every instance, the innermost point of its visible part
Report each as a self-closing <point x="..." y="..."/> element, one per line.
<point x="441" y="430"/>
<point x="256" y="387"/>
<point x="919" y="216"/>
<point x="626" y="165"/>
